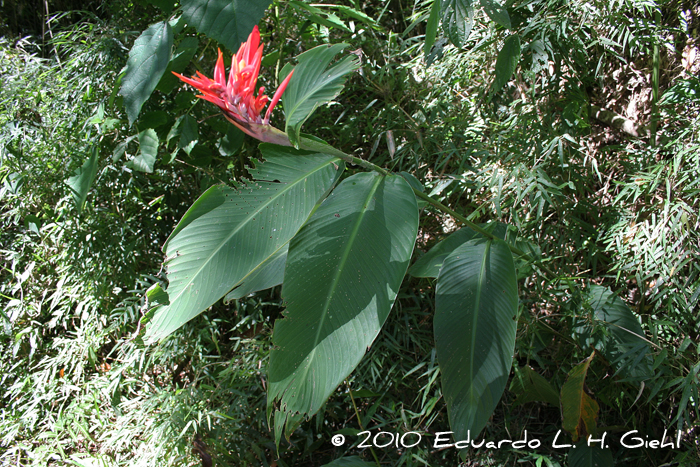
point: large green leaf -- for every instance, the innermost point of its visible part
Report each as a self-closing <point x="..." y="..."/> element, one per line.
<point x="148" y="59"/>
<point x="475" y="322"/>
<point x="431" y="27"/>
<point x="82" y="179"/>
<point x="430" y="263"/>
<point x="229" y="233"/>
<point x="343" y="272"/>
<point x="314" y="83"/>
<point x="506" y="63"/>
<point x="226" y="21"/>
<point x="457" y="20"/>
<point x="615" y="331"/>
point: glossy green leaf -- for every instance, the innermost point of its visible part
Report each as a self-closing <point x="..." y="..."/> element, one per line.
<point x="227" y="21"/>
<point x="430" y="263"/>
<point x="229" y="233"/>
<point x="579" y="410"/>
<point x="432" y="26"/>
<point x="343" y="272"/>
<point x="583" y="455"/>
<point x="457" y="20"/>
<point x="315" y="82"/>
<point x="268" y="274"/>
<point x="496" y="12"/>
<point x="506" y="63"/>
<point x="148" y="59"/>
<point x="615" y="331"/>
<point x="148" y="150"/>
<point x="181" y="58"/>
<point x="476" y="303"/>
<point x="82" y="179"/>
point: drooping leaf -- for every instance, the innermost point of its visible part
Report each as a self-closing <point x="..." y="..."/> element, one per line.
<point x="268" y="274"/>
<point x="430" y="263"/>
<point x="227" y="21"/>
<point x="530" y="386"/>
<point x="82" y="179"/>
<point x="350" y="461"/>
<point x="343" y="272"/>
<point x="457" y="20"/>
<point x="496" y="12"/>
<point x="432" y="26"/>
<point x="579" y="410"/>
<point x="228" y="233"/>
<point x="148" y="59"/>
<point x="583" y="455"/>
<point x="615" y="331"/>
<point x="315" y="82"/>
<point x="506" y="63"/>
<point x="148" y="150"/>
<point x="476" y="303"/>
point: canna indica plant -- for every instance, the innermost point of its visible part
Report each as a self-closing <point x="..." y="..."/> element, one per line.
<point x="340" y="247"/>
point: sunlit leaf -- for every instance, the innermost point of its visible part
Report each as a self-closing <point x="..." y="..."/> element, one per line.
<point x="343" y="272"/>
<point x="229" y="233"/>
<point x="476" y="303"/>
<point x="148" y="59"/>
<point x="315" y="82"/>
<point x="227" y="21"/>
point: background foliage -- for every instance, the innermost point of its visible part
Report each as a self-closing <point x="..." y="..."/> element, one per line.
<point x="503" y="125"/>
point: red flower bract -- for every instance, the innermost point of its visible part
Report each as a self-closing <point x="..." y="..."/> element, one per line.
<point x="235" y="96"/>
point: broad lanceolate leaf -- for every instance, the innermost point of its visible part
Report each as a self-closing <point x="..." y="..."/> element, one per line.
<point x="457" y="20"/>
<point x="343" y="272"/>
<point x="228" y="234"/>
<point x="227" y="21"/>
<point x="583" y="455"/>
<point x="148" y="59"/>
<point x="496" y="12"/>
<point x="430" y="263"/>
<point x="82" y="179"/>
<point x="579" y="410"/>
<point x="314" y="83"/>
<point x="148" y="150"/>
<point x="475" y="322"/>
<point x="615" y="331"/>
<point x="506" y="63"/>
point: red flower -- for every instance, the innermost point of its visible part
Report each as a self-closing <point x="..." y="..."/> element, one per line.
<point x="235" y="96"/>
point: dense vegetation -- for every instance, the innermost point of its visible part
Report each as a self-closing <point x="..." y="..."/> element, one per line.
<point x="590" y="151"/>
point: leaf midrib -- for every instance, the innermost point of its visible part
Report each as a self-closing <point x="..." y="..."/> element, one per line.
<point x="477" y="303"/>
<point x="336" y="277"/>
<point x="247" y="219"/>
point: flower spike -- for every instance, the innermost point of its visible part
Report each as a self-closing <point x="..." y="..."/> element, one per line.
<point x="235" y="95"/>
